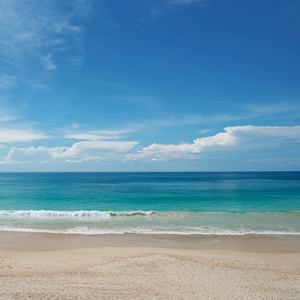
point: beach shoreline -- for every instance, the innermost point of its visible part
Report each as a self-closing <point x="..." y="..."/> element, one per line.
<point x="39" y="241"/>
<point x="135" y="266"/>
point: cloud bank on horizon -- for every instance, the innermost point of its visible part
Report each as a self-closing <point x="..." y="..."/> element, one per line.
<point x="149" y="86"/>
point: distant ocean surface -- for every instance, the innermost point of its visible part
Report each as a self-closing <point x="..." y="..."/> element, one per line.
<point x="234" y="203"/>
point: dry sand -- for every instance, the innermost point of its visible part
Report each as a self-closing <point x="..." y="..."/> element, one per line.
<point x="49" y="266"/>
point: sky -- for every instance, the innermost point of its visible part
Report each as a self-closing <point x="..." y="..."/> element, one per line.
<point x="149" y="85"/>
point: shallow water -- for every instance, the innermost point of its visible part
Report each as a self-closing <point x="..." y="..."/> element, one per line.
<point x="183" y="203"/>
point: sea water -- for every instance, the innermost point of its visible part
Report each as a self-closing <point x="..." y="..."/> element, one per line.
<point x="218" y="203"/>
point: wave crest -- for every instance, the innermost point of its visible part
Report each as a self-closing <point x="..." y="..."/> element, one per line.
<point x="75" y="214"/>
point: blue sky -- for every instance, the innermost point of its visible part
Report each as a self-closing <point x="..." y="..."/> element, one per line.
<point x="169" y="85"/>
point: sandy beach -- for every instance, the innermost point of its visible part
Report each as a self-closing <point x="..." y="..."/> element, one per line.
<point x="52" y="266"/>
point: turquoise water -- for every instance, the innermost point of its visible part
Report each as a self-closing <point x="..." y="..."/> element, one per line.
<point x="181" y="203"/>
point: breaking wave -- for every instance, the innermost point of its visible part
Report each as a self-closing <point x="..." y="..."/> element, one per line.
<point x="74" y="214"/>
<point x="108" y="214"/>
<point x="151" y="222"/>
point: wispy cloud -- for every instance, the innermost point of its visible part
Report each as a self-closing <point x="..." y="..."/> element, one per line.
<point x="7" y="81"/>
<point x="273" y="109"/>
<point x="182" y="2"/>
<point x="8" y="135"/>
<point x="6" y="115"/>
<point x="249" y="112"/>
<point x="39" y="29"/>
<point x="138" y="100"/>
<point x="95" y="135"/>
<point x="48" y="62"/>
<point x="75" y="125"/>
<point x="294" y="161"/>
<point x="158" y="9"/>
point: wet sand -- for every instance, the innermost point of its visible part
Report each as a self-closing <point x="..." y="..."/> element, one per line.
<point x="52" y="266"/>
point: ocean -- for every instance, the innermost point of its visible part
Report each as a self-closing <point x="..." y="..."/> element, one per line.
<point x="187" y="203"/>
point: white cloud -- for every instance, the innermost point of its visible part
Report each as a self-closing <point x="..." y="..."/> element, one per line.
<point x="79" y="147"/>
<point x="257" y="136"/>
<point x="176" y="151"/>
<point x="78" y="152"/>
<point x="10" y="153"/>
<point x="236" y="139"/>
<point x="19" y="135"/>
<point x="34" y="150"/>
<point x="9" y="158"/>
<point x="265" y="134"/>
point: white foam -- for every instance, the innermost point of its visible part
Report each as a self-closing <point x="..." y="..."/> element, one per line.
<point x="98" y="231"/>
<point x="106" y="214"/>
<point x="74" y="214"/>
